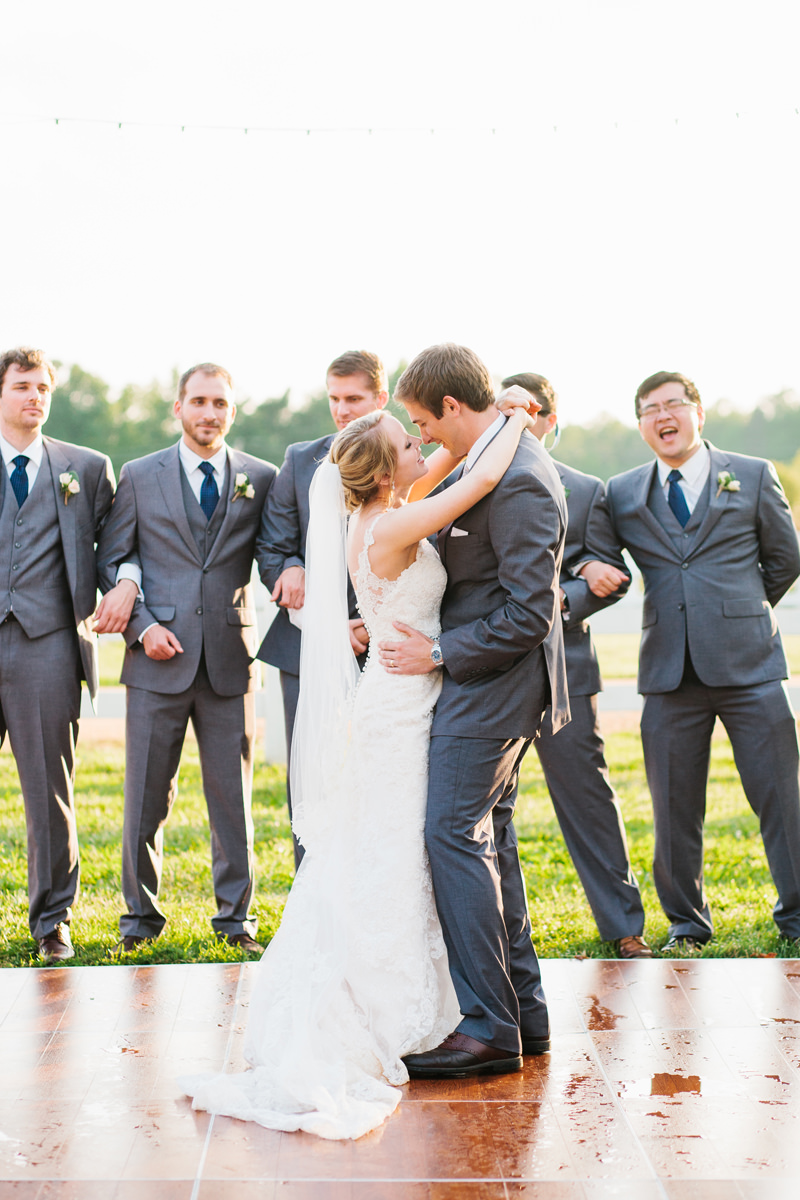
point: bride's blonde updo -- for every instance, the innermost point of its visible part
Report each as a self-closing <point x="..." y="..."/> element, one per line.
<point x="364" y="453"/>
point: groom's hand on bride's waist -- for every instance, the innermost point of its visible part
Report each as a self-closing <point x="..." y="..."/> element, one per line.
<point x="411" y="656"/>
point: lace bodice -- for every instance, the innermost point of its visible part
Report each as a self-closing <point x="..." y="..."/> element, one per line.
<point x="414" y="597"/>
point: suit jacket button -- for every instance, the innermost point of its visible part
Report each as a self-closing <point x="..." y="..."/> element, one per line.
<point x="199" y="612"/>
<point x="684" y="566"/>
<point x="12" y="589"/>
<point x="681" y="607"/>
<point x="15" y="567"/>
<point x="19" y="522"/>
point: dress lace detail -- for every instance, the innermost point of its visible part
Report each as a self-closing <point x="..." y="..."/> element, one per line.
<point x="357" y="975"/>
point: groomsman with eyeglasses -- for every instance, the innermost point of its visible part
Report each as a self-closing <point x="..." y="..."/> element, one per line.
<point x="54" y="498"/>
<point x="713" y="536"/>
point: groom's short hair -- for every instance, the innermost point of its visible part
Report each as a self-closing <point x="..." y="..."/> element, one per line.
<point x="446" y="370"/>
<point x="539" y="387"/>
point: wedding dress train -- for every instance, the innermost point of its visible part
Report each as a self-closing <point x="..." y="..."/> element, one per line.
<point x="357" y="974"/>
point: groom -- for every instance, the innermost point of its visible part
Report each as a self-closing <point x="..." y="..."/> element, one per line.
<point x="502" y="655"/>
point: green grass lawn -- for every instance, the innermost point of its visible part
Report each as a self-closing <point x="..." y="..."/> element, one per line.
<point x="738" y="880"/>
<point x="112" y="652"/>
<point x="619" y="653"/>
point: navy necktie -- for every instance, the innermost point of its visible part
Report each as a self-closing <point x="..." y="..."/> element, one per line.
<point x="19" y="478"/>
<point x="675" y="497"/>
<point x="209" y="492"/>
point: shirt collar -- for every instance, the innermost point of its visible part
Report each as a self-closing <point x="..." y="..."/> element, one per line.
<point x="191" y="461"/>
<point x="692" y="470"/>
<point x="483" y="441"/>
<point x="34" y="452"/>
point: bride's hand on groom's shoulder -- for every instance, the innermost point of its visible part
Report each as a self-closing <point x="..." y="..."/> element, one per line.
<point x="517" y="397"/>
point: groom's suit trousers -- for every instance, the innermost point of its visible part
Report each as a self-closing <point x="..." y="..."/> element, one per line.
<point x="472" y="845"/>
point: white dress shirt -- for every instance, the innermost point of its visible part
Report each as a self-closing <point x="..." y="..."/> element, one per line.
<point x="483" y="441"/>
<point x="33" y="453"/>
<point x="694" y="472"/>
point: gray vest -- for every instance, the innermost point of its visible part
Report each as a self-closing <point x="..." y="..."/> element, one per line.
<point x="33" y="574"/>
<point x="682" y="539"/>
<point x="204" y="531"/>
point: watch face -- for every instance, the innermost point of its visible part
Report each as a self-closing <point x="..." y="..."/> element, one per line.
<point x="436" y="656"/>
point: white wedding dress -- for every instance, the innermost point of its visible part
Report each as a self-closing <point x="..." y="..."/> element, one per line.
<point x="357" y="974"/>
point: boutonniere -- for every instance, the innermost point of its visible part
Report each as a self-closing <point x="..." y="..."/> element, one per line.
<point x="69" y="484"/>
<point x="727" y="482"/>
<point x="567" y="492"/>
<point x="242" y="488"/>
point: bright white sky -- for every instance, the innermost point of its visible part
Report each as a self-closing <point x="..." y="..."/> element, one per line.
<point x="620" y="244"/>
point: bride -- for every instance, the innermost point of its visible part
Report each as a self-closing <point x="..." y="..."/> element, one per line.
<point x="357" y="975"/>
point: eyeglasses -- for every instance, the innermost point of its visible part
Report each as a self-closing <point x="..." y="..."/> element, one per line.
<point x="648" y="411"/>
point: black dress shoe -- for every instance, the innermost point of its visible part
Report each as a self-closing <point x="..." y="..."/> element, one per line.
<point x="460" y="1055"/>
<point x="56" y="946"/>
<point x="242" y="941"/>
<point x="129" y="943"/>
<point x="682" y="945"/>
<point x="532" y="1045"/>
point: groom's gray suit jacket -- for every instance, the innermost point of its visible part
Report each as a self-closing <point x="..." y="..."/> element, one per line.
<point x="502" y="640"/>
<point x="713" y="585"/>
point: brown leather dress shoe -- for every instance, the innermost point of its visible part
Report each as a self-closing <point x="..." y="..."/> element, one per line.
<point x="460" y="1055"/>
<point x="633" y="947"/>
<point x="57" y="945"/>
<point x="243" y="941"/>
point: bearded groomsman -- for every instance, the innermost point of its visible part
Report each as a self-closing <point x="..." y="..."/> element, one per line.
<point x="183" y="531"/>
<point x="54" y="498"/>
<point x="573" y="760"/>
<point x="357" y="385"/>
<point x="713" y="536"/>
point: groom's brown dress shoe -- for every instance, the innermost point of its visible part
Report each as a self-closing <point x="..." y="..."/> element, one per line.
<point x="57" y="945"/>
<point x="460" y="1055"/>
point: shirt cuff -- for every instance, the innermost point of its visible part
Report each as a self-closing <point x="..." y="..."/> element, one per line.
<point x="133" y="572"/>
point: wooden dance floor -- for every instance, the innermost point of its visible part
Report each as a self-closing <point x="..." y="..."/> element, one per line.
<point x="670" y="1079"/>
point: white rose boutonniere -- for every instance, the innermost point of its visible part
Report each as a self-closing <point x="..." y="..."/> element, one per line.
<point x="69" y="484"/>
<point x="727" y="482"/>
<point x="242" y="487"/>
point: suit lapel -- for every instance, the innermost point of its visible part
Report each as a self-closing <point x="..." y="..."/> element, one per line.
<point x="58" y="463"/>
<point x="716" y="503"/>
<point x="169" y="480"/>
<point x="641" y="495"/>
<point x="232" y="508"/>
<point x="443" y="534"/>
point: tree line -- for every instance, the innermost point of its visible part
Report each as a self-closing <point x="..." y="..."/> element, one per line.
<point x="139" y="420"/>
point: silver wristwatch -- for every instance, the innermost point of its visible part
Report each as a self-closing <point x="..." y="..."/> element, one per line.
<point x="436" y="653"/>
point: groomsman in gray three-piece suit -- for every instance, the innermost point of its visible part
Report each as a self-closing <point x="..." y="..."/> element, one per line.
<point x="573" y="760"/>
<point x="357" y="385"/>
<point x="54" y="498"/>
<point x="501" y="651"/>
<point x="713" y="536"/>
<point x="177" y="555"/>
